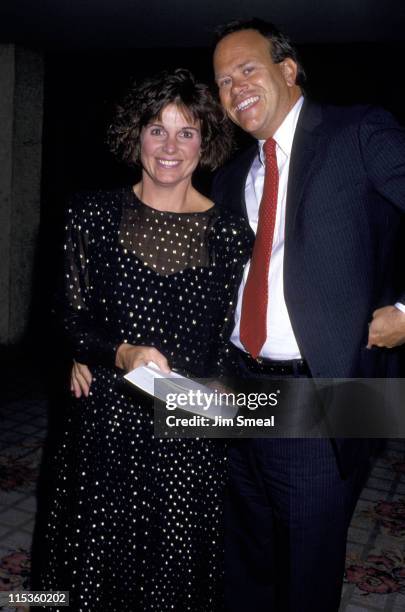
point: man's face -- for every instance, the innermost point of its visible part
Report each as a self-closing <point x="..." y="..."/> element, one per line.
<point x="256" y="93"/>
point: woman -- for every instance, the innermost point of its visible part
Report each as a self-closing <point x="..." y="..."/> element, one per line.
<point x="151" y="272"/>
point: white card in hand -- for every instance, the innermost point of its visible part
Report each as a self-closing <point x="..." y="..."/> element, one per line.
<point x="144" y="377"/>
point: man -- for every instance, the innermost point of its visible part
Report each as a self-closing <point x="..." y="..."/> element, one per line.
<point x="321" y="189"/>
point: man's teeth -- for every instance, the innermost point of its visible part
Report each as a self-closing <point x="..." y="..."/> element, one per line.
<point x="246" y="103"/>
<point x="169" y="163"/>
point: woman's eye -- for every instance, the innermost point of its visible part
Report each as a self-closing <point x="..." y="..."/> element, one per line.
<point x="186" y="134"/>
<point x="224" y="83"/>
<point x="247" y="70"/>
<point x="156" y="131"/>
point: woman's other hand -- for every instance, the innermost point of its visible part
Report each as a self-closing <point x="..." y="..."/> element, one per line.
<point x="80" y="379"/>
<point x="129" y="357"/>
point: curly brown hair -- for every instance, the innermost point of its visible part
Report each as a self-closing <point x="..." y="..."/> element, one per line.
<point x="145" y="102"/>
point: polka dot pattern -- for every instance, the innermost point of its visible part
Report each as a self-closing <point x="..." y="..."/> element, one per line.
<point x="135" y="521"/>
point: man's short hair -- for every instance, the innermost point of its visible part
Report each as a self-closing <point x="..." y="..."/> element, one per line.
<point x="281" y="46"/>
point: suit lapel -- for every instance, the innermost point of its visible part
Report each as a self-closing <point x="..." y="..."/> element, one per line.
<point x="244" y="165"/>
<point x="305" y="144"/>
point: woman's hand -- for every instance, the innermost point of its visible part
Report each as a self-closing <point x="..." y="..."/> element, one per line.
<point x="80" y="379"/>
<point x="129" y="357"/>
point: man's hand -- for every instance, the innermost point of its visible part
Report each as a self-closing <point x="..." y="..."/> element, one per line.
<point x="387" y="329"/>
<point x="80" y="380"/>
<point x="129" y="357"/>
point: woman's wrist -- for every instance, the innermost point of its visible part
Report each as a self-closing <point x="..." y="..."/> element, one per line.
<point x="120" y="355"/>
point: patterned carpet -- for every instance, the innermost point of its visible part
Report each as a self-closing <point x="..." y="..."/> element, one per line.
<point x="23" y="428"/>
<point x="375" y="570"/>
<point x="375" y="561"/>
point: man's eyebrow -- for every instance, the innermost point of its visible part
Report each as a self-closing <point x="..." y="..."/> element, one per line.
<point x="243" y="64"/>
<point x="237" y="67"/>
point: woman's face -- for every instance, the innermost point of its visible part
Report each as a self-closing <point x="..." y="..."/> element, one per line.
<point x="170" y="147"/>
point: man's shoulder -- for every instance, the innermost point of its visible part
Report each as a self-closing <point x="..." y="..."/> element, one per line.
<point x="228" y="183"/>
<point x="235" y="170"/>
<point x="339" y="116"/>
<point x="240" y="160"/>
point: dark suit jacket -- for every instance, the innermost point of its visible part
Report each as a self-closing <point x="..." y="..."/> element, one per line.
<point x="346" y="191"/>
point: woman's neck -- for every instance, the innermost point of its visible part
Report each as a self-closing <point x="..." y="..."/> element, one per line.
<point x="175" y="198"/>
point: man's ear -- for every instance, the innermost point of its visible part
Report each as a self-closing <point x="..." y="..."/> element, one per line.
<point x="289" y="71"/>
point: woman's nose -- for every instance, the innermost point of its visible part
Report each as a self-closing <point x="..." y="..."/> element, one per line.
<point x="170" y="144"/>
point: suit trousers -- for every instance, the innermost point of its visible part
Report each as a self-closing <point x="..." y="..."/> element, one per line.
<point x="287" y="514"/>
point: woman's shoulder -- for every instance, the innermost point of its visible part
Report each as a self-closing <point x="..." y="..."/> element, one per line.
<point x="232" y="223"/>
<point x="89" y="207"/>
<point x="97" y="200"/>
<point x="233" y="229"/>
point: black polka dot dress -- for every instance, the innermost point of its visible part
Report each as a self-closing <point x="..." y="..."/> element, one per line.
<point x="135" y="521"/>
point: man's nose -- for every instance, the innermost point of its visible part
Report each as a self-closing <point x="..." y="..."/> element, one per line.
<point x="238" y="86"/>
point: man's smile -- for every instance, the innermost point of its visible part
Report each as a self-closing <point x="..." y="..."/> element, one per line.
<point x="247" y="103"/>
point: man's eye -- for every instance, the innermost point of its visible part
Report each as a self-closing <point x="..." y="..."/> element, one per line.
<point x="224" y="83"/>
<point x="247" y="70"/>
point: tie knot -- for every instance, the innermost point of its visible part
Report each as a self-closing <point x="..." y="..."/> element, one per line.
<point x="269" y="148"/>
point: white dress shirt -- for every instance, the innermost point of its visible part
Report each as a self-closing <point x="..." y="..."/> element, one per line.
<point x="280" y="341"/>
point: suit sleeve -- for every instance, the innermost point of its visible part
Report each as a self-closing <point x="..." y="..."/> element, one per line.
<point x="383" y="149"/>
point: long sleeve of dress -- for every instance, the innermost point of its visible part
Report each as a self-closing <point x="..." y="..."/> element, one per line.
<point x="87" y="340"/>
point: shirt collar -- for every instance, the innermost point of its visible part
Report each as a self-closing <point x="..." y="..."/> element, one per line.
<point x="284" y="134"/>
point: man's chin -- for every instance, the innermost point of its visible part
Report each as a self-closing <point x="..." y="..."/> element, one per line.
<point x="250" y="125"/>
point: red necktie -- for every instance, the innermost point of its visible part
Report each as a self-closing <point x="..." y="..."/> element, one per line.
<point x="255" y="296"/>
